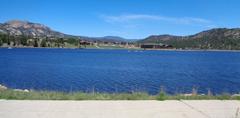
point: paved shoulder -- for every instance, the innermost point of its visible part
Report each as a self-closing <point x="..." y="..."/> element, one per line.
<point x="119" y="109"/>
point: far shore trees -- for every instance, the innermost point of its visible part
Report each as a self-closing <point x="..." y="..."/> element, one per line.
<point x="35" y="43"/>
<point x="43" y="43"/>
<point x="1" y="42"/>
<point x="23" y="40"/>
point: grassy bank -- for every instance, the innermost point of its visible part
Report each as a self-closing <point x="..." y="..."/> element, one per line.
<point x="50" y="95"/>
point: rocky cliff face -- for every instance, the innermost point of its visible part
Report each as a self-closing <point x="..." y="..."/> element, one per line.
<point x="26" y="28"/>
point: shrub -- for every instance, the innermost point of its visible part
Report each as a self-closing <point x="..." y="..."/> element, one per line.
<point x="161" y="96"/>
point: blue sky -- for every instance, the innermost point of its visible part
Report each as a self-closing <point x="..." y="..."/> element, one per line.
<point x="126" y="18"/>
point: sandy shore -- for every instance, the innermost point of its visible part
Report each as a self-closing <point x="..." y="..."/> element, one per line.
<point x="119" y="109"/>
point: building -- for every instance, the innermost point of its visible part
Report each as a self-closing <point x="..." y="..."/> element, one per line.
<point x="156" y="46"/>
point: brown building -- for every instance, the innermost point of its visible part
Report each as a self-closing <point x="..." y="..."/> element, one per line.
<point x="156" y="46"/>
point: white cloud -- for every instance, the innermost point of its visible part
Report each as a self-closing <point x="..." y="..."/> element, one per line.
<point x="137" y="17"/>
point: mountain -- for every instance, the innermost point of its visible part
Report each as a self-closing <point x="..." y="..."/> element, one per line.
<point x="111" y="39"/>
<point x="218" y="38"/>
<point x="156" y="38"/>
<point x="16" y="27"/>
<point x="218" y="33"/>
<point x="25" y="28"/>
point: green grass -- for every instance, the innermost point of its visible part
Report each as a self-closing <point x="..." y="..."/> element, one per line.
<point x="51" y="95"/>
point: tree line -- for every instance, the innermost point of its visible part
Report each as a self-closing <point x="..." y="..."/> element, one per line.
<point x="222" y="43"/>
<point x="205" y="43"/>
<point x="21" y="40"/>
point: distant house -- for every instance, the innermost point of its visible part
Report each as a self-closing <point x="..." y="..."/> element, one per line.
<point x="156" y="46"/>
<point x="81" y="42"/>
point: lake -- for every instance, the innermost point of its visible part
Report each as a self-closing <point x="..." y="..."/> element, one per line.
<point x="117" y="71"/>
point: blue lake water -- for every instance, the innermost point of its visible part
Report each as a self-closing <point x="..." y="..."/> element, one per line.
<point x="120" y="70"/>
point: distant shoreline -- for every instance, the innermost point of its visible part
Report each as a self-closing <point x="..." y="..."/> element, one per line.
<point x="183" y="50"/>
<point x="200" y="50"/>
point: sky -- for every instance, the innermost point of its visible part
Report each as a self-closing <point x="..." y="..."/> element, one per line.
<point x="132" y="19"/>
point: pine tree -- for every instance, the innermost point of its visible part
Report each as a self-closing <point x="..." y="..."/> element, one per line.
<point x="35" y="43"/>
<point x="43" y="43"/>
